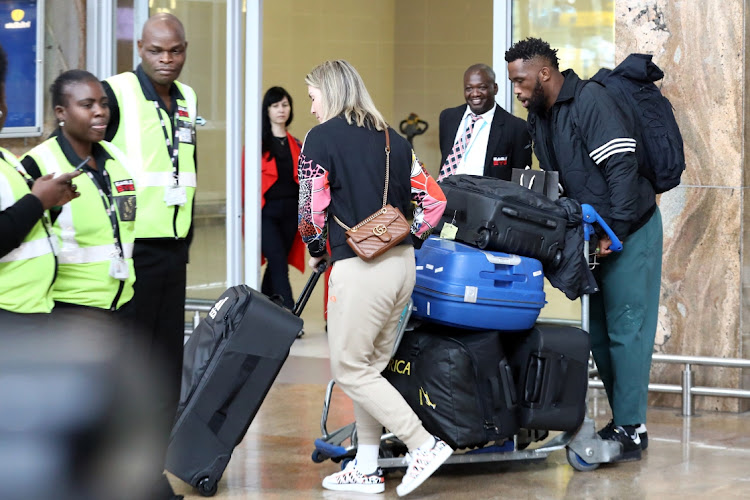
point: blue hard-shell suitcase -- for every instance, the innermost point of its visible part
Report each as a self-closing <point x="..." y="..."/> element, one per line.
<point x="460" y="285"/>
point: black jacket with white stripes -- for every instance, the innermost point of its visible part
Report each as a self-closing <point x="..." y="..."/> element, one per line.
<point x="586" y="139"/>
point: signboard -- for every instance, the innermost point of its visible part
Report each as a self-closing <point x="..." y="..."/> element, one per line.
<point x="22" y="37"/>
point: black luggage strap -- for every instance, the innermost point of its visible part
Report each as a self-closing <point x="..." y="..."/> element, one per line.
<point x="220" y="415"/>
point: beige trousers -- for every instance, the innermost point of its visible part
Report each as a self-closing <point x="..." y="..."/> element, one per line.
<point x="365" y="300"/>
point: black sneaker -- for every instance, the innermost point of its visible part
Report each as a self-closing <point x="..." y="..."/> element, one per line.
<point x="631" y="443"/>
<point x="609" y="429"/>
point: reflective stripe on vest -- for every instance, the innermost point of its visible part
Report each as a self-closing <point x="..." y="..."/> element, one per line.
<point x="29" y="250"/>
<point x="140" y="136"/>
<point x="26" y="273"/>
<point x="85" y="231"/>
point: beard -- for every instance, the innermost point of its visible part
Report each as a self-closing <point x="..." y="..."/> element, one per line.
<point x="537" y="103"/>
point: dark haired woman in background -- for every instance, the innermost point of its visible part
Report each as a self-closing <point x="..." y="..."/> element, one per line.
<point x="95" y="269"/>
<point x="279" y="196"/>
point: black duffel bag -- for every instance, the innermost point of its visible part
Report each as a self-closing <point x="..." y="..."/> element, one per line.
<point x="458" y="382"/>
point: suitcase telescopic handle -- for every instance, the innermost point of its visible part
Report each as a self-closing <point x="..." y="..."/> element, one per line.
<point x="309" y="287"/>
<point x="542" y="221"/>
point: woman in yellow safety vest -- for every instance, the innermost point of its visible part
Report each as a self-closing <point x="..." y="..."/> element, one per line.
<point x="97" y="229"/>
<point x="27" y="247"/>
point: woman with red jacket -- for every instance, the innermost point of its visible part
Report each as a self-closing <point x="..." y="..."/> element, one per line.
<point x="279" y="196"/>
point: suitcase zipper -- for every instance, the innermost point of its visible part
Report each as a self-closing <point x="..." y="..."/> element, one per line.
<point x="437" y="292"/>
<point x="533" y="209"/>
<point x="488" y="425"/>
<point x="224" y="336"/>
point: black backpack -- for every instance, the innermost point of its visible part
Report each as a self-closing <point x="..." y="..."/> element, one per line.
<point x="659" y="149"/>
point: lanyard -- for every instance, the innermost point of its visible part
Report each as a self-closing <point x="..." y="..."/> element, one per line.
<point x="172" y="146"/>
<point x="109" y="206"/>
<point x="473" y="134"/>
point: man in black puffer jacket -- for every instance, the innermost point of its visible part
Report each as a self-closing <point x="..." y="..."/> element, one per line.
<point x="577" y="131"/>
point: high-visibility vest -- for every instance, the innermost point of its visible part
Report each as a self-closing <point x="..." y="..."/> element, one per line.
<point x="140" y="136"/>
<point x="26" y="273"/>
<point x="87" y="242"/>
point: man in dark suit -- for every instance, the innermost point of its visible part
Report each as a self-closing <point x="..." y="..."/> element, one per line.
<point x="480" y="137"/>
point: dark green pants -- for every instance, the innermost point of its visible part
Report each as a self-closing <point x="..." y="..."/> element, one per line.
<point x="623" y="320"/>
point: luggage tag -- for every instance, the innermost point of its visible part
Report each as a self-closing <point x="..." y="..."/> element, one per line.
<point x="175" y="195"/>
<point x="118" y="268"/>
<point x="449" y="230"/>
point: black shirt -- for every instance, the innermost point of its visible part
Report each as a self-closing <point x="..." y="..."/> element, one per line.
<point x="285" y="186"/>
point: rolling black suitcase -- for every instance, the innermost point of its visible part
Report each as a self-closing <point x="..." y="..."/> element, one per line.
<point x="500" y="215"/>
<point x="458" y="382"/>
<point x="550" y="367"/>
<point x="230" y="363"/>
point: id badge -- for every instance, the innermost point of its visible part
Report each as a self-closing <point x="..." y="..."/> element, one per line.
<point x="449" y="231"/>
<point x="185" y="133"/>
<point x="118" y="268"/>
<point x="175" y="195"/>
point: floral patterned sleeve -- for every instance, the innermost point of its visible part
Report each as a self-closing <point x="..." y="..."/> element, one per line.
<point x="428" y="198"/>
<point x="314" y="198"/>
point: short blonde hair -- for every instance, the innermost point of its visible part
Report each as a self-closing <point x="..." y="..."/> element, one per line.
<point x="343" y="92"/>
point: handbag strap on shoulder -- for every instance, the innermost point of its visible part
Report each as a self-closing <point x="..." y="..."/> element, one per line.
<point x="385" y="190"/>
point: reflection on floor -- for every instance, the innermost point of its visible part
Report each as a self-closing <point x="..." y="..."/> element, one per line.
<point x="704" y="456"/>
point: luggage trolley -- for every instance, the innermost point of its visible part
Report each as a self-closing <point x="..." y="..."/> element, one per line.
<point x="585" y="449"/>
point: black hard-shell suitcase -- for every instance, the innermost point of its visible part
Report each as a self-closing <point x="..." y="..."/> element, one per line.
<point x="458" y="382"/>
<point x="500" y="215"/>
<point x="550" y="367"/>
<point x="230" y="363"/>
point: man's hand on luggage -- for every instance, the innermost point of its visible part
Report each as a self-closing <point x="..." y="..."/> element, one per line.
<point x="603" y="249"/>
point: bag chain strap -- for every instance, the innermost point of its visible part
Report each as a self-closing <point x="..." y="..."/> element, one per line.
<point x="385" y="191"/>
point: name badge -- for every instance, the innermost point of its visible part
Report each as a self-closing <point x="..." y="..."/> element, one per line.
<point x="175" y="195"/>
<point x="118" y="268"/>
<point x="186" y="134"/>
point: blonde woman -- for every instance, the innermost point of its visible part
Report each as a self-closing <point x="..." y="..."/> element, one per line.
<point x="342" y="173"/>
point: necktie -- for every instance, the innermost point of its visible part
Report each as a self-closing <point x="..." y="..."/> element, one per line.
<point x="459" y="149"/>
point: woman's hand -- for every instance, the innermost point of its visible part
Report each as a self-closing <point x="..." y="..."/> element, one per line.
<point x="315" y="261"/>
<point x="55" y="191"/>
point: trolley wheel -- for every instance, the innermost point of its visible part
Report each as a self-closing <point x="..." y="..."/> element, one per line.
<point x="575" y="461"/>
<point x="483" y="238"/>
<point x="345" y="462"/>
<point x="318" y="457"/>
<point x="206" y="487"/>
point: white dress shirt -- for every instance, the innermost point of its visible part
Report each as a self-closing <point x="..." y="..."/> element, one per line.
<point x="476" y="149"/>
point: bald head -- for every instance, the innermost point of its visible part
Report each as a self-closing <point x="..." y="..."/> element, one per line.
<point x="163" y="50"/>
<point x="480" y="88"/>
<point x="475" y="68"/>
<point x="164" y="18"/>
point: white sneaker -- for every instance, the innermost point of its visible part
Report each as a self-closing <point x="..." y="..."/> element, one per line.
<point x="351" y="479"/>
<point x="422" y="463"/>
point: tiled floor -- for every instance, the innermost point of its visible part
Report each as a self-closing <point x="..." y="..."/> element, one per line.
<point x="704" y="456"/>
